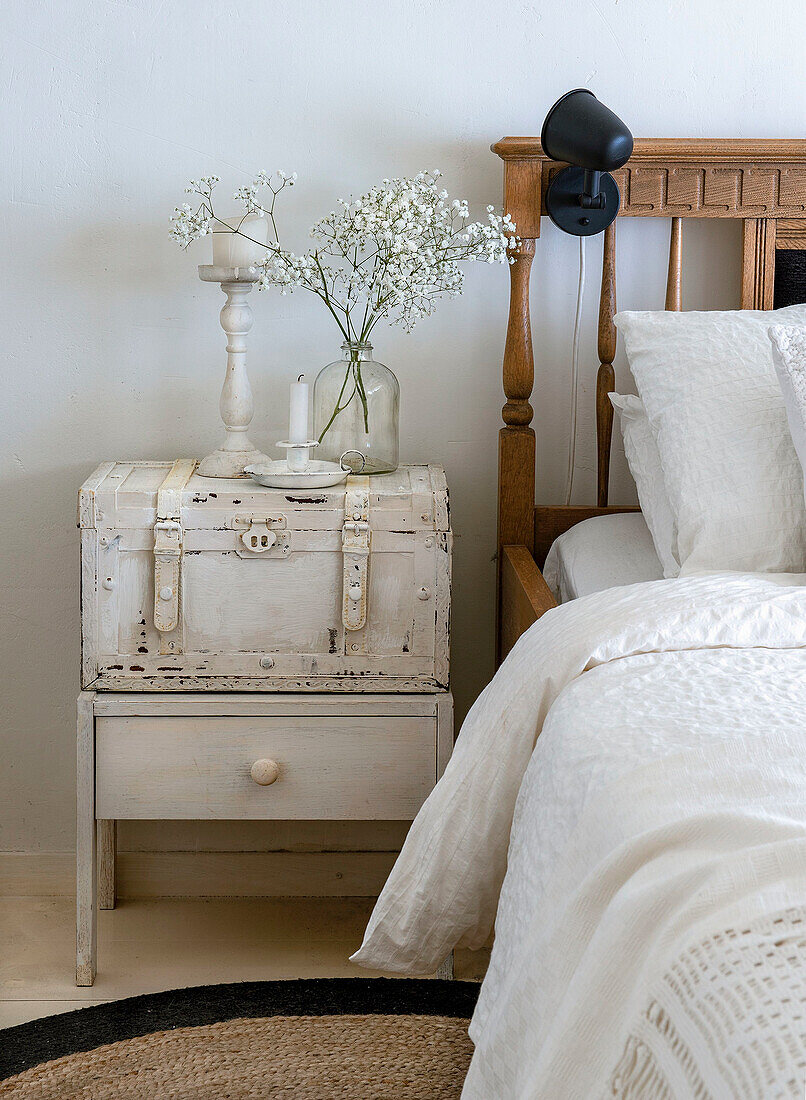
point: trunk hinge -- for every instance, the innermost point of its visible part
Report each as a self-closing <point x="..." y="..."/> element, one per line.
<point x="355" y="539"/>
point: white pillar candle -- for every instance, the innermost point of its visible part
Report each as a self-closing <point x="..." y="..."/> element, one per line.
<point x="298" y="417"/>
<point x="231" y="249"/>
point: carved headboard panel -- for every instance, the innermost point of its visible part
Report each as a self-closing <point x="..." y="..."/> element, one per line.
<point x="789" y="264"/>
<point x="761" y="182"/>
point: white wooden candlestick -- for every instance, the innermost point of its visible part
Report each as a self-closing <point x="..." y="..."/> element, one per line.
<point x="236" y="404"/>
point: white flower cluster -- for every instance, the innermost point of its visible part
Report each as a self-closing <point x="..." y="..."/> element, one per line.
<point x="187" y="223"/>
<point x="391" y="253"/>
<point x="274" y="181"/>
<point x="395" y="251"/>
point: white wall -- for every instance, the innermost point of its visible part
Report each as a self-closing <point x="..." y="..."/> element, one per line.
<point x="112" y="346"/>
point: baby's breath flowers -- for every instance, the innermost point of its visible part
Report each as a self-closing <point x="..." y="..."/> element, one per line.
<point x="390" y="254"/>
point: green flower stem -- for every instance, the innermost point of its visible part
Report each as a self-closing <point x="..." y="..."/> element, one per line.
<point x="354" y="369"/>
<point x="362" y="393"/>
<point x="339" y="407"/>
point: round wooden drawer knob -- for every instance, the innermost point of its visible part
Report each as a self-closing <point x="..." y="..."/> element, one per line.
<point x="265" y="772"/>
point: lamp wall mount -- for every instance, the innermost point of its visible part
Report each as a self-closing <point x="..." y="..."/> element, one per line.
<point x="575" y="207"/>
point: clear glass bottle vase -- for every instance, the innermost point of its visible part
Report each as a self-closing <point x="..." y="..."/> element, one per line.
<point x="356" y="406"/>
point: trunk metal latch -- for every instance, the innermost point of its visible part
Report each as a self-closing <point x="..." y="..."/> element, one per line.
<point x="261" y="535"/>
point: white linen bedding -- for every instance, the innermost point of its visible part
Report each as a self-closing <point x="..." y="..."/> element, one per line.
<point x="657" y="851"/>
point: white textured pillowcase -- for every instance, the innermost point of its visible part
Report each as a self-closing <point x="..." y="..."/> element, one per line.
<point x="643" y="458"/>
<point x="715" y="408"/>
<point x="789" y="357"/>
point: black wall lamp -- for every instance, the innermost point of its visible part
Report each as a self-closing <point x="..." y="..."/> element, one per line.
<point x="579" y="129"/>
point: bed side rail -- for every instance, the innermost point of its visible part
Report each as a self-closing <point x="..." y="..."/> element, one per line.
<point x="525" y="596"/>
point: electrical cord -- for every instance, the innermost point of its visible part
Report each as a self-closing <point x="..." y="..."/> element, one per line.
<point x="572" y="446"/>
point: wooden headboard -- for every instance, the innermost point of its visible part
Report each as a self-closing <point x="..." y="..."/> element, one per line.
<point x="762" y="182"/>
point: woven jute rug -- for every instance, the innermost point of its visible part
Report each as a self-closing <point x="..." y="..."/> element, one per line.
<point x="351" y="1039"/>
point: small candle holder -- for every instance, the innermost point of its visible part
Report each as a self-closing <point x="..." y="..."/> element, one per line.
<point x="316" y="475"/>
<point x="297" y="454"/>
<point x="236" y="405"/>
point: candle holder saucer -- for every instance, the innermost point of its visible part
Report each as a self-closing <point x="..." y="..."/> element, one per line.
<point x="316" y="475"/>
<point x="319" y="475"/>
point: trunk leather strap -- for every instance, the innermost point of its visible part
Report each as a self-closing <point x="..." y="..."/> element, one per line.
<point x="355" y="540"/>
<point x="168" y="548"/>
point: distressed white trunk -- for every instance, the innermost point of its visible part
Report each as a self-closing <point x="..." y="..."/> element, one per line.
<point x="270" y="619"/>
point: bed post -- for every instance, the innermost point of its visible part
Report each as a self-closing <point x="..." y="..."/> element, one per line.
<point x="516" y="440"/>
<point x="522" y="593"/>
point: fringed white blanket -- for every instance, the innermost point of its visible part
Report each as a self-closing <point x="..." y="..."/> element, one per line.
<point x="649" y="938"/>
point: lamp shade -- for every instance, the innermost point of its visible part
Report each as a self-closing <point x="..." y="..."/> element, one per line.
<point x="579" y="129"/>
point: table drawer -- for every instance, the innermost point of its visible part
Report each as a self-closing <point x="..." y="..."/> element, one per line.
<point x="200" y="767"/>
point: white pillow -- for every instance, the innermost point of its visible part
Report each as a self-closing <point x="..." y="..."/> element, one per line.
<point x="789" y="357"/>
<point x="644" y="462"/>
<point x="601" y="552"/>
<point x="709" y="388"/>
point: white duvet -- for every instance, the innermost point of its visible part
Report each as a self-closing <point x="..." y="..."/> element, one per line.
<point x="650" y="930"/>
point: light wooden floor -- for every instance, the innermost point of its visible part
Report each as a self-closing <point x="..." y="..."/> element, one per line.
<point x="149" y="945"/>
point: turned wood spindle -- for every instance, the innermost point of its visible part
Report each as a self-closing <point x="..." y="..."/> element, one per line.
<point x="516" y="452"/>
<point x="516" y="440"/>
<point x="606" y="376"/>
<point x="519" y="369"/>
<point x="674" y="279"/>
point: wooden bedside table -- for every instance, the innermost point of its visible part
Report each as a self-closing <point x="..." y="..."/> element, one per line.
<point x="256" y="653"/>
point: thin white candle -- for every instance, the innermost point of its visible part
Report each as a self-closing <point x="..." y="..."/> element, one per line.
<point x="230" y="249"/>
<point x="298" y="417"/>
<point x="297" y="457"/>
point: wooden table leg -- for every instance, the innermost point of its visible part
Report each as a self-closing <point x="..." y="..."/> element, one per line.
<point x="445" y="731"/>
<point x="107" y="845"/>
<point x="86" y="868"/>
